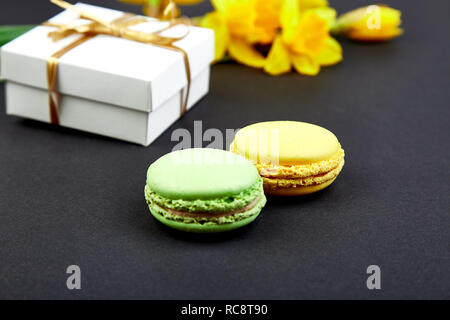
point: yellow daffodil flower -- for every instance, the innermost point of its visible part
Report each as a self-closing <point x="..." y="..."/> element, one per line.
<point x="239" y="24"/>
<point x="296" y="33"/>
<point x="372" y="23"/>
<point x="305" y="42"/>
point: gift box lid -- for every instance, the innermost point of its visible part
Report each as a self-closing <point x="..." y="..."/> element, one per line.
<point x="109" y="69"/>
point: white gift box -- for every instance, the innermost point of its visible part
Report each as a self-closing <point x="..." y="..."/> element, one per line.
<point x="108" y="85"/>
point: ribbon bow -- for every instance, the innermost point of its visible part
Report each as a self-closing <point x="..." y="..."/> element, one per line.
<point x="118" y="28"/>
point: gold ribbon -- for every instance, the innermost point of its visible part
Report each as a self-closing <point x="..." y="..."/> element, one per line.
<point x="117" y="28"/>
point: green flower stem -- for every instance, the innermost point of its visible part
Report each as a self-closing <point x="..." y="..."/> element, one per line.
<point x="154" y="2"/>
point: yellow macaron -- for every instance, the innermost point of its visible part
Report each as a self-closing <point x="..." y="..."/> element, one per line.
<point x="293" y="158"/>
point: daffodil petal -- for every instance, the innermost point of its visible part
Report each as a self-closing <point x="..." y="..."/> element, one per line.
<point x="310" y="35"/>
<point x="216" y="21"/>
<point x="331" y="54"/>
<point x="290" y="17"/>
<point x="374" y="35"/>
<point x="308" y="4"/>
<point x="305" y="64"/>
<point x="220" y="5"/>
<point x="326" y="13"/>
<point x="243" y="52"/>
<point x="278" y="60"/>
<point x="384" y="16"/>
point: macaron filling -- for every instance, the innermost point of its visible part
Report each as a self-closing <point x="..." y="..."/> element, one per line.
<point x="301" y="170"/>
<point x="213" y="214"/>
<point x="272" y="182"/>
<point x="210" y="218"/>
<point x="215" y="211"/>
<point x="216" y="205"/>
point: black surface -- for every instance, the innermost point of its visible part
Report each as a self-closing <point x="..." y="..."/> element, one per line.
<point x="72" y="198"/>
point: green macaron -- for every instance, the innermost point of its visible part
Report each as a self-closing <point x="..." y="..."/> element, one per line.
<point x="204" y="190"/>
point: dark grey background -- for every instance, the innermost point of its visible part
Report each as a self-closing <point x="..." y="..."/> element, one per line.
<point x="72" y="198"/>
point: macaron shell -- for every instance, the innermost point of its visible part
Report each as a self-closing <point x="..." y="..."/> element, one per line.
<point x="298" y="191"/>
<point x="291" y="142"/>
<point x="201" y="174"/>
